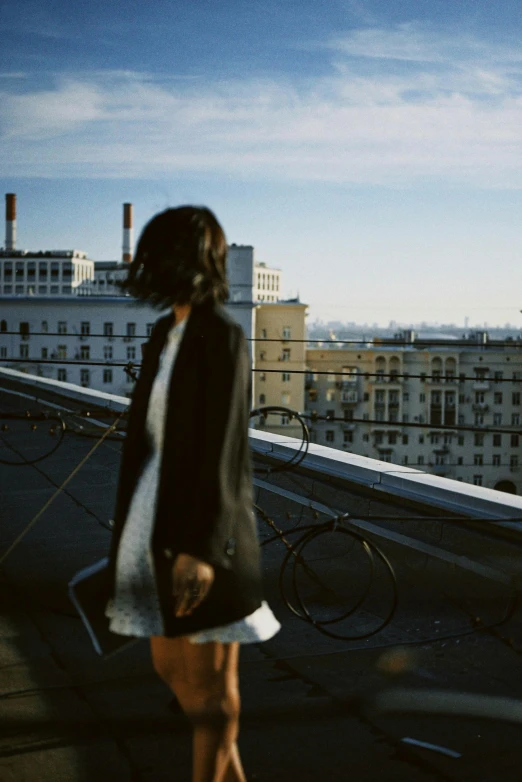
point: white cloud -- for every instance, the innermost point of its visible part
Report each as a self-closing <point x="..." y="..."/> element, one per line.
<point x="459" y="121"/>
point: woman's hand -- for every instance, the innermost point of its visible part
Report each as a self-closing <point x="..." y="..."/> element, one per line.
<point x="191" y="582"/>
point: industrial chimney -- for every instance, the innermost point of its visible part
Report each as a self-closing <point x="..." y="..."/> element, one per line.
<point x="10" y="221"/>
<point x="127" y="233"/>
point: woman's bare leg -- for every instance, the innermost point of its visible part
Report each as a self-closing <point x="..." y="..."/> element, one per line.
<point x="204" y="678"/>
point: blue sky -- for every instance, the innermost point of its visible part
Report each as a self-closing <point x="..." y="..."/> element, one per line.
<point x="372" y="150"/>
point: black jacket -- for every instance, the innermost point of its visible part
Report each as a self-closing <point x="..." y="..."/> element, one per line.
<point x="204" y="505"/>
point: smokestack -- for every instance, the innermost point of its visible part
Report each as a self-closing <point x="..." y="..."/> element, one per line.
<point x="127" y="233"/>
<point x="10" y="221"/>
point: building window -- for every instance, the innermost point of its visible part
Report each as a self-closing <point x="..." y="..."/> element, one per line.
<point x="45" y="326"/>
<point x="516" y="377"/>
<point x="24" y="351"/>
<point x="62" y="375"/>
<point x="460" y="440"/>
<point x="513" y="460"/>
<point x="330" y="436"/>
<point x="434" y="439"/>
<point x="107" y="352"/>
<point x="405" y="439"/>
<point x="285" y="356"/>
<point x="378" y="438"/>
<point x="348" y="415"/>
<point x="477" y="480"/>
<point x="392" y="438"/>
<point x="8" y="288"/>
<point x="55" y="289"/>
<point x="85" y="352"/>
<point x="421" y="438"/>
<point x="85" y="328"/>
<point x="264" y="334"/>
<point x="284" y="420"/>
<point x="330" y="395"/>
<point x="347" y="437"/>
<point x="131" y="330"/>
<point x="498" y="376"/>
<point x="366" y="438"/>
<point x="478" y="439"/>
<point x="460" y="460"/>
<point x="262" y="355"/>
<point x="62" y="327"/>
<point x="514" y="440"/>
<point x="497" y="398"/>
<point x="478" y="459"/>
<point x="61" y="351"/>
<point x="422" y="398"/>
<point x="45" y="353"/>
<point x="515" y="419"/>
<point x="262" y="399"/>
<point x="516" y="397"/>
<point x="108" y="329"/>
<point x="420" y="459"/>
<point x="149" y="328"/>
<point x="85" y="377"/>
<point x="262" y="378"/>
<point x="131" y="353"/>
<point x="497" y="419"/>
<point x="285" y="377"/>
<point x="496" y="460"/>
<point x="479" y="419"/>
<point x="497" y="440"/>
<point x="285" y="398"/>
<point x="3" y="352"/>
<point x="107" y="375"/>
<point x="286" y="332"/>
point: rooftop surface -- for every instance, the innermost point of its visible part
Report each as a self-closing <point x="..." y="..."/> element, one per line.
<point x="315" y="707"/>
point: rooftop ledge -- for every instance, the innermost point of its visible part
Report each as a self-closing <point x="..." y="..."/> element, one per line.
<point x="385" y="479"/>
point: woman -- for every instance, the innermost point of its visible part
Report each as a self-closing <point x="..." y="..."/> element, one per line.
<point x="184" y="559"/>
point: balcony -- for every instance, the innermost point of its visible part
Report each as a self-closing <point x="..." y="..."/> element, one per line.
<point x="59" y="695"/>
<point x="349" y="397"/>
<point x="481" y="385"/>
<point x="387" y="379"/>
<point x="480" y="407"/>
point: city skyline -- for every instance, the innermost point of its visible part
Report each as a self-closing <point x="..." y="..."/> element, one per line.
<point x="373" y="154"/>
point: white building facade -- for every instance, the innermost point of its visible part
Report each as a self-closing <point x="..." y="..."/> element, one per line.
<point x="83" y="339"/>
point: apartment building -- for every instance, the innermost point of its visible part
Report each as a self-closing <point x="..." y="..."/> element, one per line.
<point x="279" y="362"/>
<point x="431" y="407"/>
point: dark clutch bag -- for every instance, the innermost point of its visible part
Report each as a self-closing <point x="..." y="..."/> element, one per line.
<point x="88" y="593"/>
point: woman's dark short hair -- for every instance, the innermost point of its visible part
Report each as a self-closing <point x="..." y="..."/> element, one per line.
<point x="180" y="259"/>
